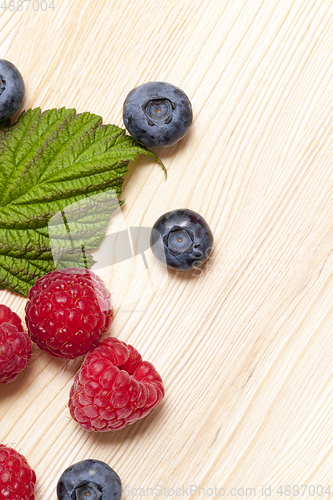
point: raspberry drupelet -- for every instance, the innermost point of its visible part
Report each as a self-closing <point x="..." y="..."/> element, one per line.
<point x="68" y="311"/>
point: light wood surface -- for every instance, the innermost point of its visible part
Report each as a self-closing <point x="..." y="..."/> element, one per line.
<point x="245" y="345"/>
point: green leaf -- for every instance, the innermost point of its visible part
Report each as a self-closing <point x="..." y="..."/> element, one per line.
<point x="60" y="177"/>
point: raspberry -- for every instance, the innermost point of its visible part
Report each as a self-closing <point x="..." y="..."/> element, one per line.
<point x="17" y="479"/>
<point x="68" y="311"/>
<point x="8" y="316"/>
<point x="15" y="345"/>
<point x="114" y="387"/>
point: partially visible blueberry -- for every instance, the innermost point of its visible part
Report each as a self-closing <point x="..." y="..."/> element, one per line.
<point x="181" y="239"/>
<point x="11" y="90"/>
<point x="157" y="114"/>
<point x="89" y="480"/>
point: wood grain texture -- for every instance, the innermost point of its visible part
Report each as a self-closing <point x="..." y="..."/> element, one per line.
<point x="245" y="344"/>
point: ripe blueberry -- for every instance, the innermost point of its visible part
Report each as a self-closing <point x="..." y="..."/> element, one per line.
<point x="182" y="239"/>
<point x="157" y="114"/>
<point x="11" y="90"/>
<point x="89" y="480"/>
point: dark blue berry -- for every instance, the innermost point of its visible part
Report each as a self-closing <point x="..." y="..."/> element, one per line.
<point x="89" y="480"/>
<point x="11" y="90"/>
<point x="181" y="239"/>
<point x="157" y="114"/>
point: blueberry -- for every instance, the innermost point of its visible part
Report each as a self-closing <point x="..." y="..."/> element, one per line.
<point x="11" y="90"/>
<point x="89" y="480"/>
<point x="157" y="114"/>
<point x="181" y="239"/>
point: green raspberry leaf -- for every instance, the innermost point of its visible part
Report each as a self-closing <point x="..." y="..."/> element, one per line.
<point x="60" y="176"/>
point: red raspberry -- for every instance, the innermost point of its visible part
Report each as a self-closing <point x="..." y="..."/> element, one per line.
<point x="114" y="387"/>
<point x="8" y="316"/>
<point x="17" y="479"/>
<point x="15" y="345"/>
<point x="68" y="311"/>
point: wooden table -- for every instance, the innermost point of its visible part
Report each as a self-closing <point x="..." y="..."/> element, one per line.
<point x="245" y="344"/>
